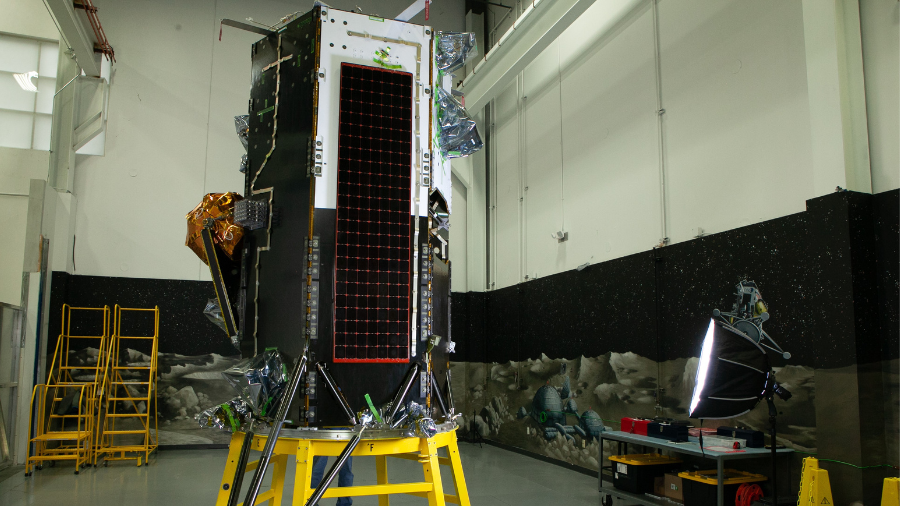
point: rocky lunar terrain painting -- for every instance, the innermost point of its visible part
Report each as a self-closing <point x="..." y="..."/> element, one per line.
<point x="511" y="403"/>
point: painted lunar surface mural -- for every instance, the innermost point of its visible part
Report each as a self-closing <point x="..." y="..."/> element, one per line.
<point x="557" y="407"/>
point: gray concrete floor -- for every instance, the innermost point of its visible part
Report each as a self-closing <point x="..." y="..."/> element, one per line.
<point x="494" y="477"/>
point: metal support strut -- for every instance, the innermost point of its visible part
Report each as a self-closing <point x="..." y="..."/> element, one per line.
<point x="336" y="393"/>
<point x="238" y="481"/>
<point x="333" y="472"/>
<point x="411" y="376"/>
<point x="286" y="397"/>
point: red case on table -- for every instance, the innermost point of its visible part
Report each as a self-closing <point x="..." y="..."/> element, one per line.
<point x="635" y="426"/>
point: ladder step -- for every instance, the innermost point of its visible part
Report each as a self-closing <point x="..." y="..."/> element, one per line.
<point x="125" y="415"/>
<point x="130" y="382"/>
<point x="145" y="399"/>
<point x="141" y="368"/>
<point x="131" y="448"/>
<point x="125" y="432"/>
<point x="69" y="416"/>
<point x="62" y="436"/>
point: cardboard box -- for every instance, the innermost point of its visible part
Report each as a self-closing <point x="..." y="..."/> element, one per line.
<point x="659" y="486"/>
<point x="672" y="487"/>
<point x="635" y="473"/>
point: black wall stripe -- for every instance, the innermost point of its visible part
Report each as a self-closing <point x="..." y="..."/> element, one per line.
<point x="829" y="275"/>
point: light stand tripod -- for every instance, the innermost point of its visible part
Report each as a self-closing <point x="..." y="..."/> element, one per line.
<point x="476" y="438"/>
<point x="772" y="390"/>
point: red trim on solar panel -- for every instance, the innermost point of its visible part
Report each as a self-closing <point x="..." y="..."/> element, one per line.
<point x="373" y="260"/>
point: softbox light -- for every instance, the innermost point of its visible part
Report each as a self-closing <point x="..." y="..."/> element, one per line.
<point x="732" y="375"/>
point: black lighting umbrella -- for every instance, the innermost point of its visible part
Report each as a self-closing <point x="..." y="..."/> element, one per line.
<point x="733" y="375"/>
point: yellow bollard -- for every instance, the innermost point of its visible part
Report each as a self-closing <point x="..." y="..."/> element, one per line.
<point x="815" y="488"/>
<point x="890" y="493"/>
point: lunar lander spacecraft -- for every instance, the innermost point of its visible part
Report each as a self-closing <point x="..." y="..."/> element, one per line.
<point x="343" y="260"/>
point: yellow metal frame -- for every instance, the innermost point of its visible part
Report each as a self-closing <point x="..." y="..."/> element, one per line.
<point x="60" y="370"/>
<point x="51" y="437"/>
<point x="425" y="451"/>
<point x="116" y="389"/>
<point x="71" y="443"/>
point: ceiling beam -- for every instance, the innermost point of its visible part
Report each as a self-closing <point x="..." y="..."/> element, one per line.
<point x="541" y="23"/>
<point x="75" y="36"/>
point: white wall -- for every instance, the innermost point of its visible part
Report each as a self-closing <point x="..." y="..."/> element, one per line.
<point x="14" y="210"/>
<point x="27" y="17"/>
<point x="579" y="130"/>
<point x="737" y="113"/>
<point x="880" y="23"/>
<point x="171" y="136"/>
<point x="458" y="243"/>
<point x="17" y="168"/>
<point x="469" y="221"/>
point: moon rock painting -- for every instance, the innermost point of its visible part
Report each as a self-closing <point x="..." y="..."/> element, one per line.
<point x="557" y="407"/>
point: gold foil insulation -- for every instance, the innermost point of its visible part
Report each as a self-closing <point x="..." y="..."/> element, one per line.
<point x="226" y="235"/>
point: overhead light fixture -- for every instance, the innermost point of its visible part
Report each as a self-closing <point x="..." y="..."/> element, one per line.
<point x="734" y="373"/>
<point x="24" y="80"/>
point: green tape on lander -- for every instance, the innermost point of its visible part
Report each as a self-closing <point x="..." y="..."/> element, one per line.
<point x="387" y="65"/>
<point x="382" y="57"/>
<point x="231" y="420"/>
<point x="372" y="408"/>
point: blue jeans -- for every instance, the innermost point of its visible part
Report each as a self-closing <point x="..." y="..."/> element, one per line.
<point x="345" y="477"/>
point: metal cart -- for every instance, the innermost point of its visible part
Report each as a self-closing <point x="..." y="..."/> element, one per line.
<point x="692" y="447"/>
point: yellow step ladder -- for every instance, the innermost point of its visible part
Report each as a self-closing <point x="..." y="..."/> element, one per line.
<point x="129" y="428"/>
<point x="65" y="409"/>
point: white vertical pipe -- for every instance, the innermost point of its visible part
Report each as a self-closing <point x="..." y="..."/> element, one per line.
<point x="660" y="112"/>
<point x="562" y="161"/>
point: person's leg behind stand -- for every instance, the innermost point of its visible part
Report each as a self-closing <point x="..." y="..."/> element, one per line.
<point x="318" y="471"/>
<point x="345" y="477"/>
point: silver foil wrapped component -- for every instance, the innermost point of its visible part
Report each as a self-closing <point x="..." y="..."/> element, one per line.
<point x="232" y="416"/>
<point x="259" y="380"/>
<point x="242" y="127"/>
<point x="386" y="408"/>
<point x="415" y="410"/>
<point x="458" y="135"/>
<point x="365" y="417"/>
<point x="453" y="49"/>
<point x="425" y="428"/>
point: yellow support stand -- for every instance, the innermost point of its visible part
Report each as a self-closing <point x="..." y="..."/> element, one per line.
<point x="425" y="451"/>
<point x="815" y="488"/>
<point x="890" y="492"/>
